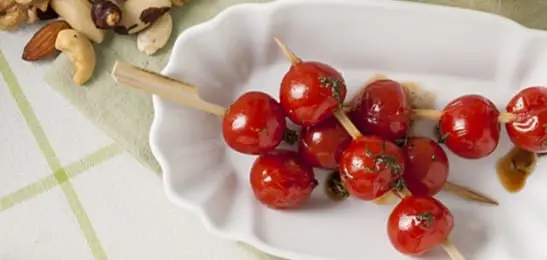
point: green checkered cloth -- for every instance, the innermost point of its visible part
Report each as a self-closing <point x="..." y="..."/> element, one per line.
<point x="126" y="114"/>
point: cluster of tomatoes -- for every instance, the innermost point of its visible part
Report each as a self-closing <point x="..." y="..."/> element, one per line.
<point x="377" y="157"/>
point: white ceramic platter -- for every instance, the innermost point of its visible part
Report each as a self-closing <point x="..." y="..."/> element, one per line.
<point x="448" y="51"/>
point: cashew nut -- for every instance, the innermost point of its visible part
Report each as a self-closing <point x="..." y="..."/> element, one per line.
<point x="79" y="50"/>
<point x="156" y="36"/>
<point x="77" y="14"/>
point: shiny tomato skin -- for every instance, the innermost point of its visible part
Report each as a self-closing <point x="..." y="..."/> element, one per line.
<point x="254" y="123"/>
<point x="382" y="109"/>
<point x="370" y="167"/>
<point x="311" y="92"/>
<point x="282" y="179"/>
<point x="427" y="166"/>
<point x="469" y="126"/>
<point x="418" y="224"/>
<point x="322" y="145"/>
<point x="529" y="131"/>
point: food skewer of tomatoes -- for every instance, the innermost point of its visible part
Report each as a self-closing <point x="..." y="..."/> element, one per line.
<point x="185" y="94"/>
<point x="254" y="123"/>
<point x="468" y="125"/>
<point x="372" y="166"/>
<point x="322" y="145"/>
<point x="525" y="120"/>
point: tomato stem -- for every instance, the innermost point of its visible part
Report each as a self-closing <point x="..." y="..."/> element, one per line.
<point x="315" y="183"/>
<point x="401" y="142"/>
<point x="426" y="219"/>
<point x="336" y="85"/>
<point x="443" y="138"/>
<point x="390" y="162"/>
<point x="290" y="136"/>
<point x="334" y="187"/>
<point x="399" y="185"/>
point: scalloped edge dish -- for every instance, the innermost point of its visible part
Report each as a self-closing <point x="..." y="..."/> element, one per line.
<point x="454" y="48"/>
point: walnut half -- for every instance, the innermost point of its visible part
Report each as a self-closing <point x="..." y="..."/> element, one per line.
<point x="13" y="13"/>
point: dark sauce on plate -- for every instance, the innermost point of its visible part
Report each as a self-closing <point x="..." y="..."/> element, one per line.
<point x="515" y="167"/>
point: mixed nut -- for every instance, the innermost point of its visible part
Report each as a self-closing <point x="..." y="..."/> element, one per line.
<point x="83" y="23"/>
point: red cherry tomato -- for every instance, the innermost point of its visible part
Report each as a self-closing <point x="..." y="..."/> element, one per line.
<point x="469" y="126"/>
<point x="418" y="224"/>
<point x="282" y="179"/>
<point x="311" y="92"/>
<point x="427" y="167"/>
<point x="371" y="166"/>
<point x="382" y="109"/>
<point x="529" y="131"/>
<point x="254" y="124"/>
<point x="322" y="145"/>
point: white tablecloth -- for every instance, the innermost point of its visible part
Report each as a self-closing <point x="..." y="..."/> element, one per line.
<point x="68" y="192"/>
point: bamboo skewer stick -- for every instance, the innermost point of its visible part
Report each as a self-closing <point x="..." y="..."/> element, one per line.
<point x="163" y="86"/>
<point x="431" y="114"/>
<point x="185" y="94"/>
<point x="450" y="248"/>
<point x="465" y="192"/>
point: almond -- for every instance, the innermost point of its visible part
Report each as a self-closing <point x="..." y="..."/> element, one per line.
<point x="42" y="44"/>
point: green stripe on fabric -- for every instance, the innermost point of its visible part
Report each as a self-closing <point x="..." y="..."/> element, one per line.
<point x="74" y="169"/>
<point x="83" y="220"/>
<point x="93" y="159"/>
<point x="28" y="114"/>
<point x="53" y="162"/>
<point x="28" y="192"/>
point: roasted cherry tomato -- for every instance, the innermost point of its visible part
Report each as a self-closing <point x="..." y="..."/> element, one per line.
<point x="469" y="126"/>
<point x="254" y="124"/>
<point x="382" y="109"/>
<point x="311" y="92"/>
<point x="282" y="179"/>
<point x="371" y="166"/>
<point x="426" y="166"/>
<point x="419" y="224"/>
<point x="529" y="131"/>
<point x="323" y="144"/>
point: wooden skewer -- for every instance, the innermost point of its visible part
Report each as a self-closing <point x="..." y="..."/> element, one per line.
<point x="185" y="94"/>
<point x="431" y="114"/>
<point x="450" y="248"/>
<point x="467" y="193"/>
<point x="355" y="133"/>
<point x="168" y="88"/>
